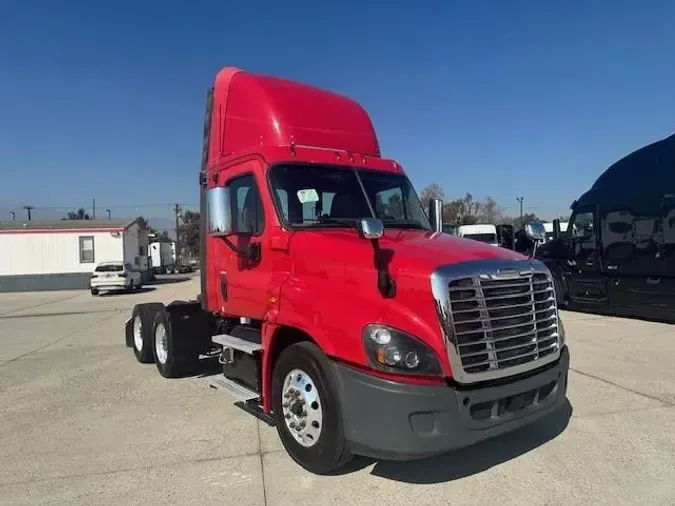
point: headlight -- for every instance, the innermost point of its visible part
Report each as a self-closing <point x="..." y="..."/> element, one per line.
<point x="393" y="351"/>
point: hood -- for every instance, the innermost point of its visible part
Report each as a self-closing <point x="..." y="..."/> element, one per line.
<point x="415" y="252"/>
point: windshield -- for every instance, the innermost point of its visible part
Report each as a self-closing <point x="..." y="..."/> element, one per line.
<point x="326" y="196"/>
<point x="488" y="238"/>
<point x="109" y="268"/>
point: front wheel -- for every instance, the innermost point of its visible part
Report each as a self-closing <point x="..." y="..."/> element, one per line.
<point x="305" y="402"/>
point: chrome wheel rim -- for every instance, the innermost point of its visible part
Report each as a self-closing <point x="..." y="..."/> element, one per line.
<point x="161" y="344"/>
<point x="302" y="408"/>
<point x="138" y="333"/>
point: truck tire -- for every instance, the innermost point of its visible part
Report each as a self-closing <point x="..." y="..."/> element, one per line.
<point x="142" y="318"/>
<point x="94" y="292"/>
<point x="304" y="395"/>
<point x="174" y="357"/>
<point x="560" y="296"/>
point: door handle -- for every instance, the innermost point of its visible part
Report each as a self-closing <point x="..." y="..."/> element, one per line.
<point x="612" y="267"/>
<point x="653" y="281"/>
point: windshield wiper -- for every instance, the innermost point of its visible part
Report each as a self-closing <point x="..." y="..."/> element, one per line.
<point x="404" y="224"/>
<point x="332" y="222"/>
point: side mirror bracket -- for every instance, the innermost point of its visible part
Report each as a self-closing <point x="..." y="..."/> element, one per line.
<point x="373" y="229"/>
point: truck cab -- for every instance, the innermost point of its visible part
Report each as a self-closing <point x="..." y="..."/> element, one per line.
<point x="485" y="233"/>
<point x="617" y="254"/>
<point x="339" y="310"/>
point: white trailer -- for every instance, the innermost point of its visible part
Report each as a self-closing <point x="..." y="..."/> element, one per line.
<point x="486" y="233"/>
<point x="548" y="227"/>
<point x="162" y="257"/>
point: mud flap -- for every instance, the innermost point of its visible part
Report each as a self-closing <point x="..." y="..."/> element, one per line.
<point x="129" y="332"/>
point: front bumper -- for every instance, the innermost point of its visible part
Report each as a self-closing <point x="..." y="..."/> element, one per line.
<point x="396" y="421"/>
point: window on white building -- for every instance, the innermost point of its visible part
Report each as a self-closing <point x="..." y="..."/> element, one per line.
<point x="87" y="250"/>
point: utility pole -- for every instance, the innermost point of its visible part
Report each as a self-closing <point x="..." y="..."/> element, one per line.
<point x="520" y="200"/>
<point x="108" y="211"/>
<point x="29" y="209"/>
<point x="13" y="215"/>
<point x="177" y="209"/>
<point x="93" y="209"/>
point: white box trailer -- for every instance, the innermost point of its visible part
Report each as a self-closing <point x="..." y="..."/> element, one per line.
<point x="548" y="227"/>
<point x="483" y="232"/>
<point x="162" y="257"/>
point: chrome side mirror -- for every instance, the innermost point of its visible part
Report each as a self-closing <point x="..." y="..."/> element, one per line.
<point x="371" y="228"/>
<point x="436" y="214"/>
<point x="535" y="231"/>
<point x="219" y="214"/>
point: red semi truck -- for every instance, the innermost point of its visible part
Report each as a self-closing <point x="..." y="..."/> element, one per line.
<point x="338" y="309"/>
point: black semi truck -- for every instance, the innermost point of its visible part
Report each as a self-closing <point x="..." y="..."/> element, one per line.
<point x="618" y="253"/>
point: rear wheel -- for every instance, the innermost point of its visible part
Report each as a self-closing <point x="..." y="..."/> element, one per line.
<point x="173" y="355"/>
<point x="306" y="408"/>
<point x="94" y="291"/>
<point x="142" y="317"/>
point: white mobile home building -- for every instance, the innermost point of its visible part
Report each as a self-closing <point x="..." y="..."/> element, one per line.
<point x="61" y="255"/>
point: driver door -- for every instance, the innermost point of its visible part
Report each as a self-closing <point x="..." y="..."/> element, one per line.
<point x="245" y="265"/>
<point x="588" y="285"/>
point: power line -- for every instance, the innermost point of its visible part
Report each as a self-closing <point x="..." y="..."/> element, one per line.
<point x="114" y="206"/>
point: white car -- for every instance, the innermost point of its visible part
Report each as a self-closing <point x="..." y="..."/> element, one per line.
<point x="114" y="276"/>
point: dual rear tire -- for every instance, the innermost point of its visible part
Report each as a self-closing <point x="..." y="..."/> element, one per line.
<point x="155" y="341"/>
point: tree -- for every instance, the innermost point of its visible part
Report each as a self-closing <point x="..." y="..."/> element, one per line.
<point x="490" y="212"/>
<point x="433" y="191"/>
<point x="464" y="211"/>
<point x="80" y="214"/>
<point x="189" y="233"/>
<point x="154" y="234"/>
<point x="143" y="223"/>
<point x="515" y="221"/>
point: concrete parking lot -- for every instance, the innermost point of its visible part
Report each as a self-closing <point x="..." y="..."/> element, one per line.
<point x="81" y="422"/>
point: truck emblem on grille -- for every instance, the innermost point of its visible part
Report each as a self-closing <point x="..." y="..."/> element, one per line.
<point x="507" y="274"/>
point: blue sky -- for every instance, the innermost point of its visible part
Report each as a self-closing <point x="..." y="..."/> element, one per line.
<point x="501" y="98"/>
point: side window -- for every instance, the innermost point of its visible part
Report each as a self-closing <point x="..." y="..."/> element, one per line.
<point x="389" y="204"/>
<point x="87" y="249"/>
<point x="583" y="227"/>
<point x="282" y="195"/>
<point x="246" y="206"/>
<point x="584" y="236"/>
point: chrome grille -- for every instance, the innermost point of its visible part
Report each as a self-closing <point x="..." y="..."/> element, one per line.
<point x="499" y="320"/>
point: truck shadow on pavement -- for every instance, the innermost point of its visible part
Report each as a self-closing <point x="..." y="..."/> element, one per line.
<point x="472" y="460"/>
